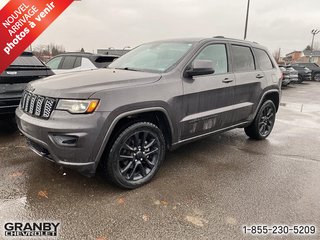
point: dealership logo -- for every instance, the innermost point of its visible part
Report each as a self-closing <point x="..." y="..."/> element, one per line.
<point x="31" y="229"/>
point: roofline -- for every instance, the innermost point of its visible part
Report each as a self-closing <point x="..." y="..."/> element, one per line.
<point x="207" y="39"/>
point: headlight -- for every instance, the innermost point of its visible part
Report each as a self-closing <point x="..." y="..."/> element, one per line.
<point x="78" y="106"/>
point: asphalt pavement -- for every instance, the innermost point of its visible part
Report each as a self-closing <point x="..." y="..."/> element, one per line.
<point x="207" y="189"/>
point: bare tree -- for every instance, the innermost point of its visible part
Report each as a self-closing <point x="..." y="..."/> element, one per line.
<point x="47" y="51"/>
<point x="308" y="47"/>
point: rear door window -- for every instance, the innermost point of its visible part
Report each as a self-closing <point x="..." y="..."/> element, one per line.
<point x="242" y="59"/>
<point x="68" y="62"/>
<point x="263" y="59"/>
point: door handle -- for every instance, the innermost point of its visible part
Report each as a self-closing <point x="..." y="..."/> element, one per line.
<point x="227" y="80"/>
<point x="260" y="76"/>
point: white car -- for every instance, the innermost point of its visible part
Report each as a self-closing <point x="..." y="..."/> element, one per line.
<point x="75" y="62"/>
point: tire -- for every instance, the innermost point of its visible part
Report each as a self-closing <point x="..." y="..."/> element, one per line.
<point x="262" y="125"/>
<point x="135" y="156"/>
<point x="300" y="79"/>
<point x="317" y="77"/>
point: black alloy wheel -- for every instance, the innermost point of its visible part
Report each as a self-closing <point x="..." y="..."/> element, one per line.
<point x="136" y="155"/>
<point x="317" y="77"/>
<point x="266" y="121"/>
<point x="139" y="155"/>
<point x="263" y="123"/>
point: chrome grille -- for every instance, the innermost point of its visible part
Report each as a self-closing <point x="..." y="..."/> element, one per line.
<point x="36" y="105"/>
<point x="39" y="106"/>
<point x="32" y="103"/>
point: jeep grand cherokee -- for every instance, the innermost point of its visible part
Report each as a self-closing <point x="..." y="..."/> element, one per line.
<point x="157" y="97"/>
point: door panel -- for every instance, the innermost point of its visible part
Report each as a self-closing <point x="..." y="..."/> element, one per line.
<point x="247" y="94"/>
<point x="208" y="100"/>
<point x="208" y="104"/>
<point x="248" y="82"/>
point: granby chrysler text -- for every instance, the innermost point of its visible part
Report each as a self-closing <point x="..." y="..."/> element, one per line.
<point x="157" y="97"/>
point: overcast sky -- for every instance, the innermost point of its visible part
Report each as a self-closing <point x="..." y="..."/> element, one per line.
<point x="93" y="24"/>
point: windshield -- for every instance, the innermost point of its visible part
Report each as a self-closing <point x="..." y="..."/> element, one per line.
<point x="153" y="57"/>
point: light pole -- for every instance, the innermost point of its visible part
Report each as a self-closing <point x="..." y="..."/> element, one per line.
<point x="247" y="20"/>
<point x="314" y="32"/>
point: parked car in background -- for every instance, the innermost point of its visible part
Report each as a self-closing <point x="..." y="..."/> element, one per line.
<point x="75" y="62"/>
<point x="15" y="78"/>
<point x="304" y="73"/>
<point x="313" y="67"/>
<point x="156" y="97"/>
<point x="285" y="76"/>
<point x="293" y="74"/>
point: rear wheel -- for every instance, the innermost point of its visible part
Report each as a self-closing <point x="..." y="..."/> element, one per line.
<point x="317" y="77"/>
<point x="136" y="155"/>
<point x="263" y="123"/>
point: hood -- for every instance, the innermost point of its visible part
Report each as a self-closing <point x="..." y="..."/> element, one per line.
<point x="83" y="84"/>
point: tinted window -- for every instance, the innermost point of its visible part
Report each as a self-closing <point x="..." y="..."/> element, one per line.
<point x="68" y="62"/>
<point x="104" y="61"/>
<point x="27" y="61"/>
<point x="54" y="63"/>
<point x="242" y="59"/>
<point x="216" y="53"/>
<point x="77" y="63"/>
<point x="263" y="59"/>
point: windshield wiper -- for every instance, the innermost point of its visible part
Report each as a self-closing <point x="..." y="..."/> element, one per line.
<point x="128" y="69"/>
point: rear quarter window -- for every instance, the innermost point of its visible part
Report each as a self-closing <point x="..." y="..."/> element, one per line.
<point x="263" y="59"/>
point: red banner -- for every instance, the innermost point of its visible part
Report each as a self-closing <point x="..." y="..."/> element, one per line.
<point x="21" y="22"/>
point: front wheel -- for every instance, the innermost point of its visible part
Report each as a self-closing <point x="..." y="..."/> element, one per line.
<point x="136" y="155"/>
<point x="263" y="123"/>
<point x="300" y="79"/>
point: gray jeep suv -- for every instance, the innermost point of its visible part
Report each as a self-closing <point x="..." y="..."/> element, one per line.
<point x="157" y="97"/>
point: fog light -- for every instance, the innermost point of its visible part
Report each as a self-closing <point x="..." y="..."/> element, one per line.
<point x="65" y="140"/>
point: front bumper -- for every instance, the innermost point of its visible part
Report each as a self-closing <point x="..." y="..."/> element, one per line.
<point x="44" y="138"/>
<point x="294" y="78"/>
<point x="307" y="77"/>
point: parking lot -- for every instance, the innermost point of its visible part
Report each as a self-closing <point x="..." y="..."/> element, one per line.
<point x="208" y="189"/>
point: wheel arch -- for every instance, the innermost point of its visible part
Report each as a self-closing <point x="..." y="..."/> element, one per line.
<point x="273" y="95"/>
<point x="156" y="115"/>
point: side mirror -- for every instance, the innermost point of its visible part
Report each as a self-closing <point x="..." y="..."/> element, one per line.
<point x="200" y="67"/>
